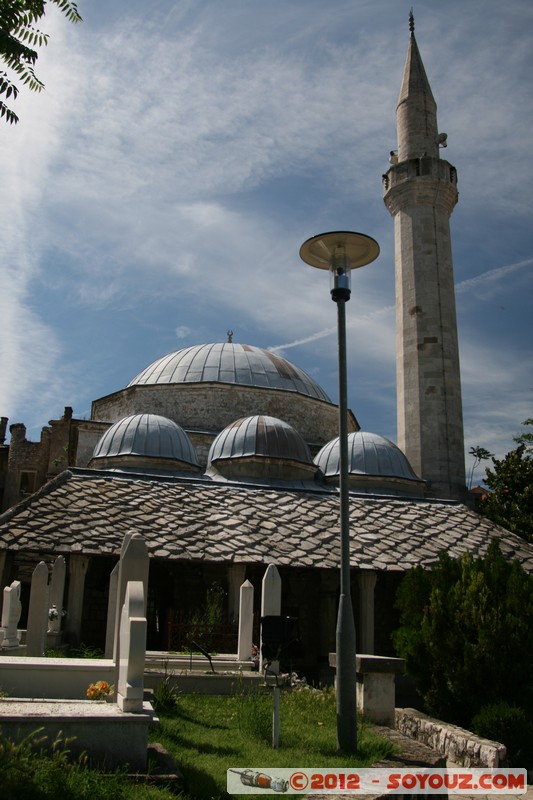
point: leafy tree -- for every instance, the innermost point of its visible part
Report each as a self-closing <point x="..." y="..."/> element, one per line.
<point x="18" y="39"/>
<point x="465" y="632"/>
<point x="480" y="454"/>
<point x="526" y="437"/>
<point x="510" y="502"/>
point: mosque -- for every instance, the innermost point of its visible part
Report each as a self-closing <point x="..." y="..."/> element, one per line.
<point x="225" y="457"/>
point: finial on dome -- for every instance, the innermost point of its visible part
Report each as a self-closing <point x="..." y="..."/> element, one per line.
<point x="411" y="22"/>
<point x="230" y="337"/>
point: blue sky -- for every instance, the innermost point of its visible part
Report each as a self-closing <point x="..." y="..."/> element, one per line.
<point x="157" y="194"/>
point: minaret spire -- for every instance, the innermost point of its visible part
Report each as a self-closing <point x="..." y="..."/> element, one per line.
<point x="416" y="113"/>
<point x="420" y="194"/>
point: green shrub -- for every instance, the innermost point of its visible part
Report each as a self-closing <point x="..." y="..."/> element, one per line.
<point x="466" y="634"/>
<point x="509" y="725"/>
<point x="35" y="769"/>
<point x="166" y="695"/>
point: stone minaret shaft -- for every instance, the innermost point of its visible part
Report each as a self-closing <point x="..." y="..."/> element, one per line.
<point x="420" y="194"/>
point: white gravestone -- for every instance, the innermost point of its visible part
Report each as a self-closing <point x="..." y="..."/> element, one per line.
<point x="11" y="611"/>
<point x="38" y="611"/>
<point x="111" y="612"/>
<point x="132" y="657"/>
<point x="133" y="566"/>
<point x="246" y="622"/>
<point x="271" y="602"/>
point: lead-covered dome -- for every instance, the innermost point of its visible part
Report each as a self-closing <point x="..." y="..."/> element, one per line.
<point x="260" y="447"/>
<point x="147" y="441"/>
<point x="229" y="362"/>
<point x="375" y="464"/>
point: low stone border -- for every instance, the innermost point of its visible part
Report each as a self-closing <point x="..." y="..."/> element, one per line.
<point x="458" y="745"/>
<point x="109" y="736"/>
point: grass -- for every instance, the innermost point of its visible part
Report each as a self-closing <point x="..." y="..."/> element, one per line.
<point x="205" y="735"/>
<point x="208" y="734"/>
<point x="28" y="771"/>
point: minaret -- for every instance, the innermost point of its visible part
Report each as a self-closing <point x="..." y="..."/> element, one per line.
<point x="420" y="192"/>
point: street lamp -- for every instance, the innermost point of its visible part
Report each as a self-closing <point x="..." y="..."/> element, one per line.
<point x="340" y="252"/>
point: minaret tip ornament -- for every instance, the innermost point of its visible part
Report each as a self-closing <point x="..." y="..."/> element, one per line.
<point x="411" y="22"/>
<point x="230" y="337"/>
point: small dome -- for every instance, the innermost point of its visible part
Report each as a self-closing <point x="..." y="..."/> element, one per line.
<point x="230" y="363"/>
<point x="376" y="461"/>
<point x="145" y="439"/>
<point x="261" y="446"/>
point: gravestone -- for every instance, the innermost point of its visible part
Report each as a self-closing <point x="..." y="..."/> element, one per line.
<point x="11" y="611"/>
<point x="56" y="591"/>
<point x="270" y="602"/>
<point x="133" y="625"/>
<point x="111" y="612"/>
<point x="38" y="611"/>
<point x="246" y="622"/>
<point x="133" y="566"/>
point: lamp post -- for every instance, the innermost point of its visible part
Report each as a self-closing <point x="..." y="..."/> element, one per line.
<point x="340" y="252"/>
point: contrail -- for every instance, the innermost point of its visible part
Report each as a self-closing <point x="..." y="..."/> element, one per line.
<point x="312" y="338"/>
<point x="490" y="275"/>
<point x="379" y="312"/>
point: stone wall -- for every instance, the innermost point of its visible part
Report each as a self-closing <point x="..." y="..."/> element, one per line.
<point x="210" y="407"/>
<point x="458" y="745"/>
<point x="26" y="457"/>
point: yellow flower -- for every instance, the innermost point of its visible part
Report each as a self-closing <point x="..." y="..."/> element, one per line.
<point x="99" y="690"/>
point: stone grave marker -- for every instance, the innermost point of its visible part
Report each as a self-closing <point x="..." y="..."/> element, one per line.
<point x="111" y="612"/>
<point x="11" y="611"/>
<point x="133" y="566"/>
<point x="38" y="611"/>
<point x="246" y="621"/>
<point x="133" y="625"/>
<point x="271" y="602"/>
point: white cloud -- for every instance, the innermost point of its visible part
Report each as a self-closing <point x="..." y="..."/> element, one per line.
<point x="182" y="331"/>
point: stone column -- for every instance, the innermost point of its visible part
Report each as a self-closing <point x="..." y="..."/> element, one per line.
<point x="78" y="566"/>
<point x="57" y="588"/>
<point x="367" y="581"/>
<point x="236" y="576"/>
<point x="329" y="601"/>
<point x="3" y="559"/>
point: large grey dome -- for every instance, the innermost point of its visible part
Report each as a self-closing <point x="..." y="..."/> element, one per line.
<point x="261" y="446"/>
<point x="230" y="363"/>
<point x="142" y="438"/>
<point x="375" y="464"/>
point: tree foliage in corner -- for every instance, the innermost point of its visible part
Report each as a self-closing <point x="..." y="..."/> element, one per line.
<point x="510" y="502"/>
<point x="19" y="37"/>
<point x="465" y="632"/>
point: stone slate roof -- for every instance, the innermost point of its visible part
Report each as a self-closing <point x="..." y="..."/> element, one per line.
<point x="89" y="511"/>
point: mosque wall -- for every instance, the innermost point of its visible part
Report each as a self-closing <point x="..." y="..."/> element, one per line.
<point x="210" y="407"/>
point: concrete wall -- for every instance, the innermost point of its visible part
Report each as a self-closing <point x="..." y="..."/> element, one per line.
<point x="53" y="678"/>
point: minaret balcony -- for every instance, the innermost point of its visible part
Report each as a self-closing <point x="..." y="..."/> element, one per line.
<point x="420" y="180"/>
